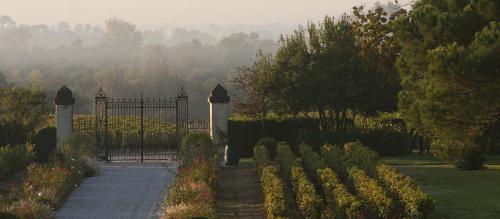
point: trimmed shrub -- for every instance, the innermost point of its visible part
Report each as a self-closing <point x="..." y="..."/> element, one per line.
<point x="14" y="158"/>
<point x="306" y="197"/>
<point x="312" y="160"/>
<point x="45" y="143"/>
<point x="305" y="194"/>
<point x="261" y="157"/>
<point x="416" y="203"/>
<point x="274" y="195"/>
<point x="378" y="201"/>
<point x="286" y="159"/>
<point x="335" y="158"/>
<point x="270" y="144"/>
<point x="361" y="156"/>
<point x="337" y="197"/>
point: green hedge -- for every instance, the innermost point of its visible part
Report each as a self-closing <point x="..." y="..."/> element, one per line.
<point x="361" y="156"/>
<point x="386" y="140"/>
<point x="245" y="133"/>
<point x="261" y="157"/>
<point x="378" y="200"/>
<point x="14" y="158"/>
<point x="274" y="195"/>
<point x="416" y="204"/>
<point x="338" y="198"/>
<point x="307" y="199"/>
<point x="270" y="144"/>
<point x="335" y="158"/>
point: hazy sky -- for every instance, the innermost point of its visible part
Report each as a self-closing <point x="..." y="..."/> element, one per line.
<point x="176" y="12"/>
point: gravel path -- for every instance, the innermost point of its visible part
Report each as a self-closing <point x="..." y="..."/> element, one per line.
<point x="122" y="190"/>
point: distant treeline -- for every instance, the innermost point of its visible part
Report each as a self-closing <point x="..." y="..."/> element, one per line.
<point x="123" y="60"/>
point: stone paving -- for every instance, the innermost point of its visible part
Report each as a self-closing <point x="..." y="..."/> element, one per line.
<point x="122" y="190"/>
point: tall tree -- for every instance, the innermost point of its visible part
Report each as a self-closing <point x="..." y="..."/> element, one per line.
<point x="450" y="69"/>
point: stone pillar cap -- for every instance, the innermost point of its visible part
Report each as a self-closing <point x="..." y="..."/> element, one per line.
<point x="219" y="95"/>
<point x="64" y="97"/>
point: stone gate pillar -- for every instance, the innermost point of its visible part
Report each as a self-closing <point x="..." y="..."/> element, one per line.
<point x="64" y="115"/>
<point x="219" y="115"/>
<point x="219" y="104"/>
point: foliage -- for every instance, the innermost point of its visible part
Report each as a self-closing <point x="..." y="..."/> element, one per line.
<point x="416" y="204"/>
<point x="377" y="199"/>
<point x="270" y="144"/>
<point x="45" y="143"/>
<point x="274" y="195"/>
<point x="22" y="111"/>
<point x="306" y="197"/>
<point x="361" y="156"/>
<point x="450" y="74"/>
<point x="28" y="209"/>
<point x="261" y="158"/>
<point x="338" y="197"/>
<point x="14" y="158"/>
<point x="192" y="194"/>
<point x="52" y="183"/>
<point x="256" y="82"/>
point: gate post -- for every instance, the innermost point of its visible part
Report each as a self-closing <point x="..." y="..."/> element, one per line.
<point x="219" y="115"/>
<point x="64" y="115"/>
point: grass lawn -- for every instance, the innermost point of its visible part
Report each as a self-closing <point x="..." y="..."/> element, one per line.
<point x="458" y="194"/>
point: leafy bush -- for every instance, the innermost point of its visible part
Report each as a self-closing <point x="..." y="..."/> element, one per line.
<point x="307" y="199"/>
<point x="337" y="197"/>
<point x="274" y="195"/>
<point x="416" y="204"/>
<point x="45" y="143"/>
<point x="378" y="200"/>
<point x="27" y="209"/>
<point x="270" y="144"/>
<point x="192" y="194"/>
<point x="14" y="158"/>
<point x="361" y="156"/>
<point x="261" y="157"/>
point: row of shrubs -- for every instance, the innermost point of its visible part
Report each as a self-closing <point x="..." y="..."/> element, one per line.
<point x="308" y="200"/>
<point x="339" y="202"/>
<point x="14" y="158"/>
<point x="386" y="192"/>
<point x="47" y="185"/>
<point x="192" y="194"/>
<point x="353" y="181"/>
<point x="272" y="185"/>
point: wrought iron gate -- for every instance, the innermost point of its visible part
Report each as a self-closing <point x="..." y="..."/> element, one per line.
<point x="140" y="129"/>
